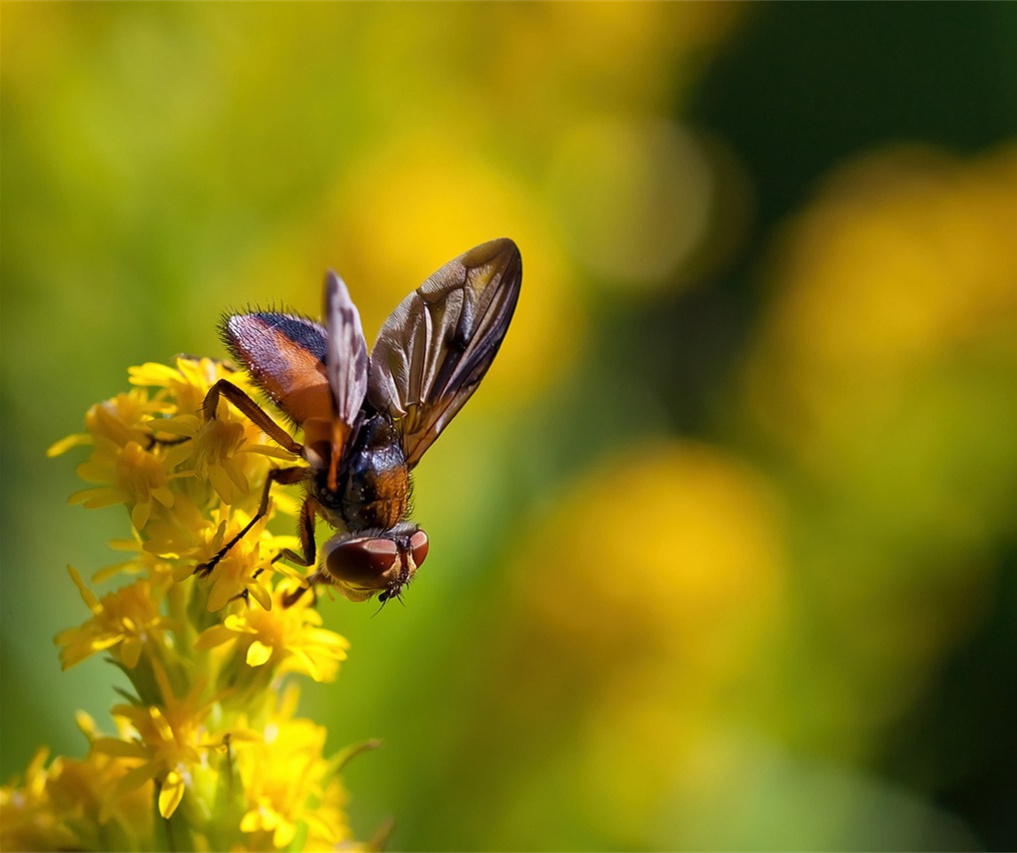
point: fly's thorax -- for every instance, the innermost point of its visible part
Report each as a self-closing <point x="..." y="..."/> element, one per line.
<point x="374" y="480"/>
<point x="329" y="501"/>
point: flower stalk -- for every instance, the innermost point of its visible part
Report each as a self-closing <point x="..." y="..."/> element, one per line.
<point x="206" y="751"/>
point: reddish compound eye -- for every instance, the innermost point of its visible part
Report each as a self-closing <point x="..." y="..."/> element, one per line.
<point x="419" y="546"/>
<point x="362" y="561"/>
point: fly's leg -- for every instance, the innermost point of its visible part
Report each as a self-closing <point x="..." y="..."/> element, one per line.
<point x="252" y="410"/>
<point x="165" y="442"/>
<point x="258" y="416"/>
<point x="247" y="407"/>
<point x="286" y="476"/>
<point x="312" y="580"/>
<point x="305" y="529"/>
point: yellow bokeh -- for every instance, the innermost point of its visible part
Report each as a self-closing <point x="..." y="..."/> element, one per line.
<point x="884" y="372"/>
<point x="634" y="198"/>
<point x="665" y="562"/>
<point x="649" y="604"/>
<point x="907" y="258"/>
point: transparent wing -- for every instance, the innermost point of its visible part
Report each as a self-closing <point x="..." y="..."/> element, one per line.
<point x="346" y="351"/>
<point x="345" y="364"/>
<point x="439" y="342"/>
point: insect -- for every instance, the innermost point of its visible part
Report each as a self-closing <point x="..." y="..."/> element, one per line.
<point x="368" y="420"/>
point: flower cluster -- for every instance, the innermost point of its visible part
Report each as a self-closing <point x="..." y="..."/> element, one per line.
<point x="207" y="752"/>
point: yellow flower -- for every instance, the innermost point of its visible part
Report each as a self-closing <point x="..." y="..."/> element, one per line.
<point x="201" y="738"/>
<point x="133" y="476"/>
<point x="28" y="820"/>
<point x="187" y="383"/>
<point x="289" y="637"/>
<point x="170" y="738"/>
<point x="223" y="451"/>
<point x="123" y="621"/>
<point x="184" y="533"/>
<point x="158" y="571"/>
<point x="125" y="417"/>
<point x="90" y="801"/>
<point x="287" y="784"/>
<point x="216" y="447"/>
<point x="245" y="569"/>
<point x="219" y="450"/>
<point x="71" y="805"/>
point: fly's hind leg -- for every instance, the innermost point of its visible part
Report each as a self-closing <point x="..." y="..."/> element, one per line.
<point x="252" y="410"/>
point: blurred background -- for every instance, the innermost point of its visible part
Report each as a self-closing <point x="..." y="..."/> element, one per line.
<point x="724" y="552"/>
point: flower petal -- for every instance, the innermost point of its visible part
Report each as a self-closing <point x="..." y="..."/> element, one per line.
<point x="171" y="793"/>
<point x="130" y="651"/>
<point x="66" y="444"/>
<point x="258" y="653"/>
<point x="140" y="514"/>
<point x="260" y="594"/>
<point x="121" y="748"/>
<point x="214" y="636"/>
<point x="86" y="594"/>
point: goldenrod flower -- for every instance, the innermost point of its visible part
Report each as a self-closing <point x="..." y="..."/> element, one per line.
<point x="186" y="384"/>
<point x="180" y="535"/>
<point x="287" y="785"/>
<point x="219" y="449"/>
<point x="28" y="820"/>
<point x="284" y="779"/>
<point x="122" y="622"/>
<point x="76" y="805"/>
<point x="288" y="637"/>
<point x="207" y="753"/>
<point x="132" y="475"/>
<point x="168" y="738"/>
<point x="243" y="568"/>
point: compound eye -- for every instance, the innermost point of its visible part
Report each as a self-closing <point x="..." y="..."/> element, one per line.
<point x="362" y="561"/>
<point x="418" y="547"/>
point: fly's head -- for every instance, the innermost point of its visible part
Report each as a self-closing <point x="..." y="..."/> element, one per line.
<point x="373" y="562"/>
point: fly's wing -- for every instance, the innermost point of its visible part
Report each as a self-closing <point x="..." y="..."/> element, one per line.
<point x="345" y="366"/>
<point x="285" y="355"/>
<point x="439" y="342"/>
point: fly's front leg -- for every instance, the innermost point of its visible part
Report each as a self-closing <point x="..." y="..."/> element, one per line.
<point x="165" y="442"/>
<point x="305" y="530"/>
<point x="308" y="558"/>
<point x="246" y="406"/>
<point x="286" y="476"/>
